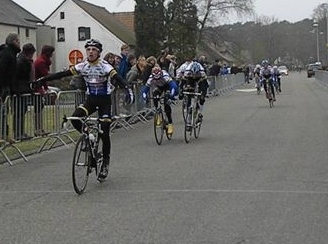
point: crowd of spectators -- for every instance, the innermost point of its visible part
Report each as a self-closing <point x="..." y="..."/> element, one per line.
<point x="18" y="70"/>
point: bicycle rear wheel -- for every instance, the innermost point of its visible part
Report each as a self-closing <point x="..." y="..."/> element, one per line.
<point x="188" y="127"/>
<point x="184" y="107"/>
<point x="81" y="165"/>
<point x="159" y="127"/>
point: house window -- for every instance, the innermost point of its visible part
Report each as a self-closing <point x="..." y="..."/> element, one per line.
<point x="84" y="33"/>
<point x="27" y="33"/>
<point x="62" y="15"/>
<point x="60" y="35"/>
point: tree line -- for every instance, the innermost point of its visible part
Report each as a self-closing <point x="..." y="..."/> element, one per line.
<point x="182" y="27"/>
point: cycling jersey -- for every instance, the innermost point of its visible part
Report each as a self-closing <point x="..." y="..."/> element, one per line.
<point x="165" y="79"/>
<point x="96" y="75"/>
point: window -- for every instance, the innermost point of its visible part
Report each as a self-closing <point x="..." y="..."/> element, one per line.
<point x="60" y="35"/>
<point x="84" y="33"/>
<point x="27" y="33"/>
<point x="62" y="15"/>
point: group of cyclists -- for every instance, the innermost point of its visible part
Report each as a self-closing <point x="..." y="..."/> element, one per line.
<point x="101" y="78"/>
<point x="266" y="72"/>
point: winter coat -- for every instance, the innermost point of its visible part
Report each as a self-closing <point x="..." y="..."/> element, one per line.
<point x="8" y="55"/>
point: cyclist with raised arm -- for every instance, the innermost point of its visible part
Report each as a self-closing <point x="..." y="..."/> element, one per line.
<point x="191" y="75"/>
<point x="100" y="78"/>
<point x="161" y="81"/>
<point x="266" y="73"/>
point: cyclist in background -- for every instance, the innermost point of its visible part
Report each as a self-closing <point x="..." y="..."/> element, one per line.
<point x="277" y="78"/>
<point x="161" y="82"/>
<point x="100" y="78"/>
<point x="256" y="74"/>
<point x="191" y="75"/>
<point x="266" y="72"/>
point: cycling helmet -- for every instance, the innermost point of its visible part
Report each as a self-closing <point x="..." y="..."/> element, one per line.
<point x="265" y="63"/>
<point x="194" y="68"/>
<point x="93" y="43"/>
<point x="157" y="73"/>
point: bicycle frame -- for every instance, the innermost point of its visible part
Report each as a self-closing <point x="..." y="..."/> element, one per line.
<point x="160" y="128"/>
<point x="87" y="145"/>
<point x="191" y="123"/>
<point x="269" y="92"/>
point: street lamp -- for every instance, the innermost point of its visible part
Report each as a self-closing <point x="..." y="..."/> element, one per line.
<point x="316" y="26"/>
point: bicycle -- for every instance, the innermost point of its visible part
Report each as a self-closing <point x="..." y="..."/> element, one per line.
<point x="258" y="84"/>
<point x="184" y="107"/>
<point x="269" y="93"/>
<point x="193" y="122"/>
<point x="160" y="119"/>
<point x="88" y="152"/>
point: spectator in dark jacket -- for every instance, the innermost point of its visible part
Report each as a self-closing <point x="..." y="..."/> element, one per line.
<point x="8" y="52"/>
<point x="215" y="68"/>
<point x="234" y="69"/>
<point x="123" y="67"/>
<point x="24" y="75"/>
<point x="42" y="68"/>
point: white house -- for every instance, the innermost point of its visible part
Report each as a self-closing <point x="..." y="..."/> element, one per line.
<point x="76" y="21"/>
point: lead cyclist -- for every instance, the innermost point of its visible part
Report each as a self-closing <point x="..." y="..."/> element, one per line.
<point x="100" y="78"/>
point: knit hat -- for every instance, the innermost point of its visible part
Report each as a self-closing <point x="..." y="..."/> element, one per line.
<point x="11" y="38"/>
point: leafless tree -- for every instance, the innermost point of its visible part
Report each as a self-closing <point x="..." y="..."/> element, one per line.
<point x="210" y="11"/>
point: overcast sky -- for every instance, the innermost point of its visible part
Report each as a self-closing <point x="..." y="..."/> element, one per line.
<point x="290" y="10"/>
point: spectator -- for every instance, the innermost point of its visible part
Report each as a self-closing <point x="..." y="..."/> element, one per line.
<point x="135" y="76"/>
<point x="163" y="60"/>
<point x="150" y="64"/>
<point x="224" y="70"/>
<point x="24" y="75"/>
<point x="203" y="62"/>
<point x="110" y="58"/>
<point x="42" y="68"/>
<point x="234" y="69"/>
<point x="172" y="66"/>
<point x="123" y="67"/>
<point x="132" y="60"/>
<point x="8" y="52"/>
<point x="136" y="71"/>
<point x="117" y="63"/>
<point x="215" y="69"/>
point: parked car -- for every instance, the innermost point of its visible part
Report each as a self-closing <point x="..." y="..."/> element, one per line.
<point x="283" y="70"/>
<point x="312" y="68"/>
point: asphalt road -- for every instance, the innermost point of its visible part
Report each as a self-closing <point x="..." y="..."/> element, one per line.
<point x="255" y="175"/>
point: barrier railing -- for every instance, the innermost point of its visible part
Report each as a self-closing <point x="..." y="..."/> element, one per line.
<point x="31" y="116"/>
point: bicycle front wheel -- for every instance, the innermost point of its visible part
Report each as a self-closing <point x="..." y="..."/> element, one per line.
<point x="81" y="165"/>
<point x="159" y="127"/>
<point x="188" y="127"/>
<point x="198" y="125"/>
<point x="184" y="108"/>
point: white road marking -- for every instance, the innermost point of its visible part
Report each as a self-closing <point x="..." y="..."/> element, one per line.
<point x="178" y="191"/>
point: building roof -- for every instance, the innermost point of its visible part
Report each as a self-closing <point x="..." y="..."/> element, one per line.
<point x="13" y="14"/>
<point x="127" y="18"/>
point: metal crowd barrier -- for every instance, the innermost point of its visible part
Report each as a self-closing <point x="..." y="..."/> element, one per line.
<point x="30" y="116"/>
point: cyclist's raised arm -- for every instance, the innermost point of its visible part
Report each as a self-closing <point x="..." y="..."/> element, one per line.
<point x="56" y="76"/>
